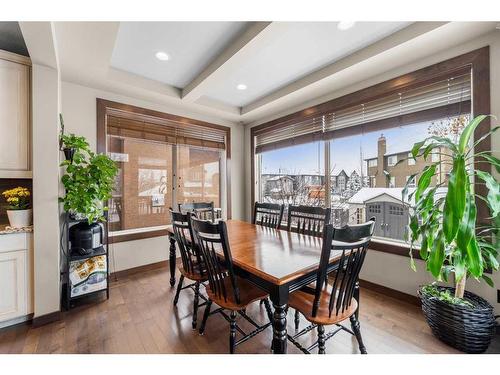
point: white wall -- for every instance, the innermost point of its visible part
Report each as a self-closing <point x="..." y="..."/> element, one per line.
<point x="79" y="111"/>
<point x="45" y="109"/>
<point x="46" y="95"/>
<point x="392" y="270"/>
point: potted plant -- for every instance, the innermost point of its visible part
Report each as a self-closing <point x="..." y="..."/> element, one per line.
<point x="88" y="180"/>
<point x="451" y="241"/>
<point x="18" y="211"/>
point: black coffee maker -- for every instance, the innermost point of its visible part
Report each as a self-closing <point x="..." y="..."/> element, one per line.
<point x="85" y="237"/>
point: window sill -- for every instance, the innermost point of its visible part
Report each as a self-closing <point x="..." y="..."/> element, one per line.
<point x="393" y="248"/>
<point x="124" y="237"/>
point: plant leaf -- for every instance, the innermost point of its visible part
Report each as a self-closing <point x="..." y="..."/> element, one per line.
<point x="436" y="256"/>
<point x="493" y="197"/>
<point x="425" y="180"/>
<point x="459" y="264"/>
<point x="488" y="281"/>
<point x="467" y="225"/>
<point x="404" y="192"/>
<point x="492" y="160"/>
<point x="468" y="131"/>
<point x="416" y="147"/>
<point x="475" y="261"/>
<point x="424" y="247"/>
<point x="455" y="198"/>
<point x="486" y="136"/>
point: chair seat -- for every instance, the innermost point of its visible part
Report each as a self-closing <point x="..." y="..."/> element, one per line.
<point x="248" y="294"/>
<point x="195" y="276"/>
<point x="303" y="302"/>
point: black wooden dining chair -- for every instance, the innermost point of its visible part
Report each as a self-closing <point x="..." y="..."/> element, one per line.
<point x="202" y="210"/>
<point x="268" y="214"/>
<point x="325" y="304"/>
<point x="192" y="266"/>
<point x="309" y="220"/>
<point x="225" y="288"/>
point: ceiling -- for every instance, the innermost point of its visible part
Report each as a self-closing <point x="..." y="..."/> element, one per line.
<point x="189" y="45"/>
<point x="285" y="65"/>
<point x="11" y="38"/>
<point x="293" y="50"/>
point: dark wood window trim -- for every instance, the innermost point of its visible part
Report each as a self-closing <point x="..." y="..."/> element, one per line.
<point x="104" y="107"/>
<point x="477" y="62"/>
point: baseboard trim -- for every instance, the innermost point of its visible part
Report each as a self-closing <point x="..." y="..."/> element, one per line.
<point x="46" y="319"/>
<point x="414" y="300"/>
<point x="23" y="320"/>
<point x="139" y="269"/>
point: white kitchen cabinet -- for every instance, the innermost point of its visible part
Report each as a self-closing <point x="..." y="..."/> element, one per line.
<point x="15" y="278"/>
<point x="15" y="134"/>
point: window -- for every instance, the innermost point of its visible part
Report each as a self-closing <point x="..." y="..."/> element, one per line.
<point x="411" y="161"/>
<point x="377" y="128"/>
<point x="435" y="157"/>
<point x="297" y="175"/>
<point x="143" y="188"/>
<point x="358" y="188"/>
<point x="392" y="160"/>
<point x="294" y="175"/>
<point x="161" y="163"/>
<point x="412" y="183"/>
<point x="198" y="175"/>
<point x="392" y="182"/>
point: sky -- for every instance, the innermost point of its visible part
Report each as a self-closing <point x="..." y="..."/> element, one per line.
<point x="345" y="153"/>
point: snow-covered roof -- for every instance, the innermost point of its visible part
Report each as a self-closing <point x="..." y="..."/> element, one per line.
<point x="340" y="206"/>
<point x="276" y="178"/>
<point x="366" y="194"/>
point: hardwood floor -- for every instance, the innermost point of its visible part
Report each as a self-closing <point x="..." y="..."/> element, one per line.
<point x="139" y="318"/>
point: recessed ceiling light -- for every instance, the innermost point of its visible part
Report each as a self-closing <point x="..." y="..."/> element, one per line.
<point x="162" y="56"/>
<point x="345" y="25"/>
<point x="241" y="86"/>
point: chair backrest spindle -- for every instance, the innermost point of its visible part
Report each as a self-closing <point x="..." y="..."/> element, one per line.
<point x="268" y="214"/>
<point x="190" y="256"/>
<point x="353" y="242"/>
<point x="308" y="220"/>
<point x="211" y="239"/>
<point x="202" y="210"/>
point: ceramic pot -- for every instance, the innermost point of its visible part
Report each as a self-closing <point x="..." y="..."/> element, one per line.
<point x="20" y="218"/>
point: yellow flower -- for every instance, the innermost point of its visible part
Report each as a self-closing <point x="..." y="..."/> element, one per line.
<point x="16" y="195"/>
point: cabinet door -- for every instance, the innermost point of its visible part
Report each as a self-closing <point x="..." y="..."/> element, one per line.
<point x="13" y="283"/>
<point x="14" y="117"/>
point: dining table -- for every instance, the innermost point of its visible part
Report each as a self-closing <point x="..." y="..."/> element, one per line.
<point x="275" y="260"/>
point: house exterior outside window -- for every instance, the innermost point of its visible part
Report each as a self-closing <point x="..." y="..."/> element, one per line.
<point x="411" y="161"/>
<point x="392" y="182"/>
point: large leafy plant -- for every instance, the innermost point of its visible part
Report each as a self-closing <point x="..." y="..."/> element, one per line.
<point x="451" y="241"/>
<point x="88" y="180"/>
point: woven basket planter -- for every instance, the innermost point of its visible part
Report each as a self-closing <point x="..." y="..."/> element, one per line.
<point x="468" y="329"/>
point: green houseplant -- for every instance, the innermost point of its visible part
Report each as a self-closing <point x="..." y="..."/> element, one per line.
<point x="88" y="179"/>
<point x="452" y="242"/>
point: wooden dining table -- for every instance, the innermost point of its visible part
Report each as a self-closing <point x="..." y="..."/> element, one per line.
<point x="277" y="261"/>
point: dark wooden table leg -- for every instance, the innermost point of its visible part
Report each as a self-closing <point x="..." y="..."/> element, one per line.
<point x="172" y="260"/>
<point x="279" y="298"/>
<point x="356" y="297"/>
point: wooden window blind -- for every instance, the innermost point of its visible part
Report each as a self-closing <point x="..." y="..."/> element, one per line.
<point x="449" y="96"/>
<point x="167" y="131"/>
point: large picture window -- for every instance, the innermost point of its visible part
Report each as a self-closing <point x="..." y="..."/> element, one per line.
<point x="352" y="154"/>
<point x="163" y="161"/>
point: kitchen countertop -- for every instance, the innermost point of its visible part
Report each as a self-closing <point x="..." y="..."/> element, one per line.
<point x="5" y="229"/>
